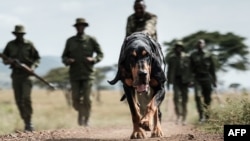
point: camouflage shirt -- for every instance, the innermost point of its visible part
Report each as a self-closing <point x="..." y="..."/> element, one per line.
<point x="179" y="68"/>
<point x="203" y="66"/>
<point x="78" y="48"/>
<point x="25" y="52"/>
<point x="147" y="23"/>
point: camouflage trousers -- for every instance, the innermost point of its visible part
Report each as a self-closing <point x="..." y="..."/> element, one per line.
<point x="180" y="99"/>
<point x="203" y="91"/>
<point x="22" y="90"/>
<point x="81" y="90"/>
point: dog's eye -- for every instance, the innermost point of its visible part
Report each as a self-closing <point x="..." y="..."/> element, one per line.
<point x="144" y="53"/>
<point x="134" y="54"/>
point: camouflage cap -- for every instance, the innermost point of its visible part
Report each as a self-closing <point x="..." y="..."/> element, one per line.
<point x="81" y="21"/>
<point x="19" y="29"/>
<point x="136" y="1"/>
<point x="179" y="43"/>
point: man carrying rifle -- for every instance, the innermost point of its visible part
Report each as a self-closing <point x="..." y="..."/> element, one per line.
<point x="23" y="51"/>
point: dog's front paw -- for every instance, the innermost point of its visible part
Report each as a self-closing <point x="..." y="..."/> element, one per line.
<point x="157" y="132"/>
<point x="138" y="134"/>
<point x="146" y="124"/>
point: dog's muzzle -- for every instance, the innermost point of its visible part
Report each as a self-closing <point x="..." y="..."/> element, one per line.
<point x="141" y="83"/>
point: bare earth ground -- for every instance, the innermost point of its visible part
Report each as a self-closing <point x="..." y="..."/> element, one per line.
<point x="116" y="132"/>
<point x="172" y="132"/>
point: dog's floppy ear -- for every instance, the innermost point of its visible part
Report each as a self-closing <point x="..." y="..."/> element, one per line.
<point x="157" y="61"/>
<point x="157" y="72"/>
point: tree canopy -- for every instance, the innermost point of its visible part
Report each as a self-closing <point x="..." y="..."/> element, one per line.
<point x="229" y="48"/>
<point x="60" y="77"/>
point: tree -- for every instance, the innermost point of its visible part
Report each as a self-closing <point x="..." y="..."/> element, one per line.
<point x="234" y="86"/>
<point x="229" y="49"/>
<point x="57" y="76"/>
<point x="60" y="77"/>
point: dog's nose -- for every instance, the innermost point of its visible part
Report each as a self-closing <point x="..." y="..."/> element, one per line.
<point x="142" y="73"/>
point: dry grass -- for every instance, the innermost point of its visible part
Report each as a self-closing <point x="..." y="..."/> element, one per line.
<point x="235" y="110"/>
<point x="51" y="111"/>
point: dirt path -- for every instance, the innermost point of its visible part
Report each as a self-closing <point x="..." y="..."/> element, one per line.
<point x="172" y="132"/>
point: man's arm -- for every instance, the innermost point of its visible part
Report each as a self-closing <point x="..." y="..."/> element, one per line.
<point x="35" y="57"/>
<point x="129" y="26"/>
<point x="150" y="26"/>
<point x="98" y="51"/>
<point x="168" y="73"/>
<point x="212" y="71"/>
<point x="66" y="55"/>
<point x="5" y="56"/>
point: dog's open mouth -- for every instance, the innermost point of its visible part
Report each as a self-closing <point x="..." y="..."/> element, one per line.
<point x="142" y="88"/>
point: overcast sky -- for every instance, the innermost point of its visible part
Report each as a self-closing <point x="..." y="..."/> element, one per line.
<point x="49" y="23"/>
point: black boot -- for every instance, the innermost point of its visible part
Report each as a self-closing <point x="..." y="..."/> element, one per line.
<point x="80" y="121"/>
<point x="202" y="118"/>
<point x="28" y="127"/>
<point x="86" y="121"/>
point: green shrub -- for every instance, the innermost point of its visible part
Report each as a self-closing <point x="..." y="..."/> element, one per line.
<point x="235" y="110"/>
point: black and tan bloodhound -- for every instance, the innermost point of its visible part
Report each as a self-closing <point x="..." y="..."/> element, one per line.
<point x="141" y="70"/>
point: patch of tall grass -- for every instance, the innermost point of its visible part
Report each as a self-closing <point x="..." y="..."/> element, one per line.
<point x="51" y="111"/>
<point x="234" y="111"/>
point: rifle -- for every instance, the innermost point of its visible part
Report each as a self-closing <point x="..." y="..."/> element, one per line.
<point x="27" y="69"/>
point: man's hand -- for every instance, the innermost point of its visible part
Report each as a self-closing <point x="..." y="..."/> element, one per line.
<point x="70" y="61"/>
<point x="214" y="84"/>
<point x="9" y="61"/>
<point x="91" y="59"/>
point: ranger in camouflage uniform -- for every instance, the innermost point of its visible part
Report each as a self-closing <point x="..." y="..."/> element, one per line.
<point x="78" y="55"/>
<point x="141" y="20"/>
<point x="179" y="74"/>
<point x="203" y="67"/>
<point x="24" y="51"/>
